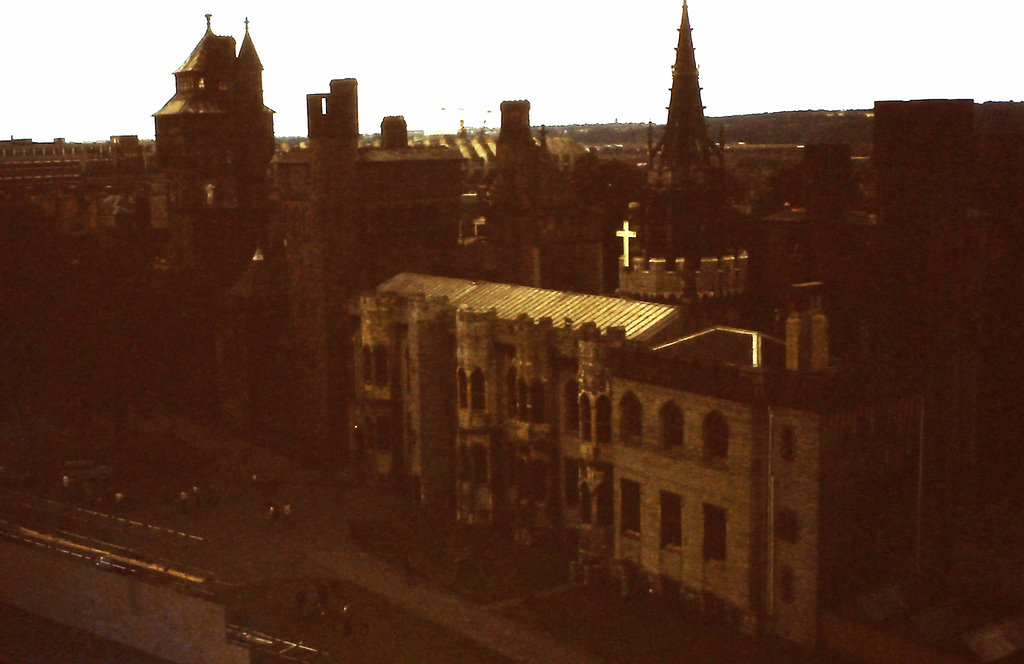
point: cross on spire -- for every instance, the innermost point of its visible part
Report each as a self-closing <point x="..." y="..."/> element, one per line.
<point x="208" y="17"/>
<point x="625" y="234"/>
<point x="247" y="24"/>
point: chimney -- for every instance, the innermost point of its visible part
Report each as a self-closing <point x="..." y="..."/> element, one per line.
<point x="806" y="329"/>
<point x="394" y="133"/>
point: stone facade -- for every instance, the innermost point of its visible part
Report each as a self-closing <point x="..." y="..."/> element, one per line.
<point x="702" y="481"/>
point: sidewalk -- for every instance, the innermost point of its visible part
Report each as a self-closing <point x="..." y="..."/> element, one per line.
<point x="317" y="543"/>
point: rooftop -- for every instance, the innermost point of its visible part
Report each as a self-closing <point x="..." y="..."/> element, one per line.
<point x="641" y="320"/>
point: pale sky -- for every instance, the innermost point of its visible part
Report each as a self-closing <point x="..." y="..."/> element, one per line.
<point x="86" y="71"/>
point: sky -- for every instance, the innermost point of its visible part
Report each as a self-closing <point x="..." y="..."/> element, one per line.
<point x="87" y="71"/>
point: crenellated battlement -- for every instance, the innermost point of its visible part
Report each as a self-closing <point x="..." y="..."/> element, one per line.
<point x="714" y="276"/>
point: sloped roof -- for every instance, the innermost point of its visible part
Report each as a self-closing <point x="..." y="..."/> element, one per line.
<point x="730" y="346"/>
<point x="212" y="52"/>
<point x="641" y="320"/>
<point x="247" y="56"/>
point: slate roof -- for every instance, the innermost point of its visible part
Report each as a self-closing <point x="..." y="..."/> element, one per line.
<point x="641" y="320"/>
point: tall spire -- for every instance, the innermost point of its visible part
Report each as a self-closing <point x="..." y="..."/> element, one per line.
<point x="685" y="147"/>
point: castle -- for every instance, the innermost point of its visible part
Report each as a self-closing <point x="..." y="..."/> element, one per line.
<point x="711" y="435"/>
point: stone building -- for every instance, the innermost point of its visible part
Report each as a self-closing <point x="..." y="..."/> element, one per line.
<point x="725" y="469"/>
<point x="214" y="142"/>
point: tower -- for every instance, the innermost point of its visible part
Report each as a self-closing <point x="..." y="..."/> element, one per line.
<point x="684" y="197"/>
<point x="214" y="141"/>
<point x="684" y="152"/>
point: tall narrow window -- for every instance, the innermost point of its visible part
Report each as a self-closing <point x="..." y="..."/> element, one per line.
<point x="714" y="532"/>
<point x="671" y="519"/>
<point x="671" y="419"/>
<point x="585" y="503"/>
<point x="632" y="415"/>
<point x="787" y="524"/>
<point x="510" y="392"/>
<point x="716" y="436"/>
<point x="585" y="418"/>
<point x="603" y="409"/>
<point x="605" y="499"/>
<point x="537" y="402"/>
<point x="367" y="365"/>
<point x="630" y="506"/>
<point x="524" y="400"/>
<point x="477" y="395"/>
<point x="380" y="366"/>
<point x="570" y="408"/>
<point x="572" y="482"/>
<point x="479" y="464"/>
<point x="462" y="385"/>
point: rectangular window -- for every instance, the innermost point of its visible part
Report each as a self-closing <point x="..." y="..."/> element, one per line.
<point x="671" y="519"/>
<point x="714" y="532"/>
<point x="572" y="482"/>
<point x="630" y="506"/>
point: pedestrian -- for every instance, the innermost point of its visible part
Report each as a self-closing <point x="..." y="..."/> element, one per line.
<point x="183" y="501"/>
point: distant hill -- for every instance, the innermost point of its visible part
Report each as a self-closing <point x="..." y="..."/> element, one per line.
<point x="853" y="127"/>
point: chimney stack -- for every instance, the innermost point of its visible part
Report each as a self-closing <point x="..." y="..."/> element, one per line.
<point x="806" y="329"/>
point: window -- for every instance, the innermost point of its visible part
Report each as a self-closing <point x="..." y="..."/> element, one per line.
<point x="462" y="387"/>
<point x="380" y="366"/>
<point x="671" y="425"/>
<point x="585" y="503"/>
<point x="787" y="444"/>
<point x="477" y="394"/>
<point x="537" y="402"/>
<point x="570" y="408"/>
<point x="604" y="419"/>
<point x="786" y="584"/>
<point x="464" y="469"/>
<point x="671" y="519"/>
<point x="572" y="482"/>
<point x="716" y="436"/>
<point x="367" y="365"/>
<point x="787" y="525"/>
<point x="510" y="391"/>
<point x="585" y="430"/>
<point x="479" y="464"/>
<point x="714" y="532"/>
<point x="632" y="414"/>
<point x="538" y="489"/>
<point x="524" y="400"/>
<point x="605" y="504"/>
<point x="630" y="504"/>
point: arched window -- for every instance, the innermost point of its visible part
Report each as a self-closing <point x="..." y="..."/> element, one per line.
<point x="570" y="408"/>
<point x="367" y="365"/>
<point x="380" y="365"/>
<point x="524" y="400"/>
<point x="585" y="419"/>
<point x="479" y="464"/>
<point x="603" y="413"/>
<point x="510" y="392"/>
<point x="715" y="432"/>
<point x="632" y="417"/>
<point x="537" y="401"/>
<point x="462" y="387"/>
<point x="477" y="395"/>
<point x="671" y="425"/>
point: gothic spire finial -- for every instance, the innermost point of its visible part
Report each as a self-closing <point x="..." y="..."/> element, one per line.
<point x="208" y="17"/>
<point x="247" y="24"/>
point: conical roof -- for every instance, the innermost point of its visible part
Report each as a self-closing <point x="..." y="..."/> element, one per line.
<point x="247" y="56"/>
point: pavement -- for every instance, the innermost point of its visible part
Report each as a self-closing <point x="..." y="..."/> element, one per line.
<point x="226" y="529"/>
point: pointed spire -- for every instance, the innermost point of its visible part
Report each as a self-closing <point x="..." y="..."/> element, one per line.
<point x="685" y="147"/>
<point x="247" y="56"/>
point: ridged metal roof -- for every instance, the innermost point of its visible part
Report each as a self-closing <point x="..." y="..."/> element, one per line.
<point x="641" y="320"/>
